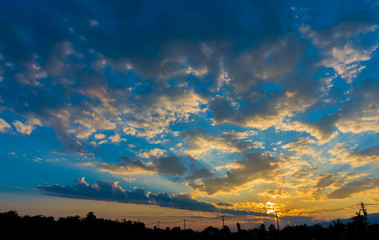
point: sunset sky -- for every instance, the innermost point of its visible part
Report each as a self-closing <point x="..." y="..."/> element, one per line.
<point x="165" y="110"/>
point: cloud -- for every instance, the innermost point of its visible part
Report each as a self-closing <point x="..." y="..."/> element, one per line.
<point x="130" y="179"/>
<point x="253" y="166"/>
<point x="301" y="146"/>
<point x="111" y="191"/>
<point x="161" y="165"/>
<point x="353" y="156"/>
<point x="115" y="138"/>
<point x="154" y="112"/>
<point x="200" y="142"/>
<point x="87" y="164"/>
<point x="27" y="128"/>
<point x="269" y="111"/>
<point x="224" y="204"/>
<point x="156" y="152"/>
<point x="154" y="91"/>
<point x="275" y="193"/>
<point x="108" y="191"/>
<point x="99" y="136"/>
<point x="76" y="84"/>
<point x="81" y="133"/>
<point x="4" y="125"/>
<point x="326" y="180"/>
<point x="322" y="186"/>
<point x="323" y="130"/>
<point x="181" y="201"/>
<point x="354" y="187"/>
<point x="341" y="53"/>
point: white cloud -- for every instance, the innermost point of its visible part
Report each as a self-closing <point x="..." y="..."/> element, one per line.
<point x="82" y="133"/>
<point x="160" y="110"/>
<point x="302" y="146"/>
<point x="99" y="136"/>
<point x="341" y="48"/>
<point x="346" y="60"/>
<point x="28" y="127"/>
<point x="342" y="154"/>
<point x="156" y="152"/>
<point x="367" y="119"/>
<point x="116" y="138"/>
<point x="4" y="125"/>
<point x="130" y="179"/>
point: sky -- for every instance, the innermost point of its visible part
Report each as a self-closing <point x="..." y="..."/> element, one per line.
<point x="165" y="110"/>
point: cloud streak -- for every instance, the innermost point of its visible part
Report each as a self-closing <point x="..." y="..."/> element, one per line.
<point x="111" y="191"/>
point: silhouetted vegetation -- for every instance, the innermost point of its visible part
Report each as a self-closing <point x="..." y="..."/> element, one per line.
<point x="90" y="227"/>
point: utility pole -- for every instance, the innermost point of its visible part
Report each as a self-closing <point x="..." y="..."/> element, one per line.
<point x="277" y="223"/>
<point x="365" y="215"/>
<point x="184" y="228"/>
<point x="158" y="229"/>
<point x="223" y="226"/>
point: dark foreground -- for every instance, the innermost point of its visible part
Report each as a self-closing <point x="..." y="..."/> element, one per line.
<point x="14" y="226"/>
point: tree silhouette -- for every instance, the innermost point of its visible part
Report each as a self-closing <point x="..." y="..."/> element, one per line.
<point x="91" y="228"/>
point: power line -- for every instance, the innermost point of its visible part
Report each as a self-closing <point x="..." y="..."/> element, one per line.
<point x="172" y="221"/>
<point x="327" y="210"/>
<point x="150" y="223"/>
<point x="214" y="220"/>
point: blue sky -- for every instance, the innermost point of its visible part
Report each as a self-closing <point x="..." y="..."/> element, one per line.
<point x="190" y="107"/>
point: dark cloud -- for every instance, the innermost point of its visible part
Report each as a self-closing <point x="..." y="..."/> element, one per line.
<point x="353" y="187"/>
<point x="224" y="204"/>
<point x="181" y="201"/>
<point x="108" y="191"/>
<point x="253" y="166"/>
<point x="231" y="141"/>
<point x="327" y="180"/>
<point x="111" y="191"/>
<point x="161" y="165"/>
<point x="301" y="175"/>
<point x="169" y="165"/>
<point x="371" y="151"/>
<point x="181" y="168"/>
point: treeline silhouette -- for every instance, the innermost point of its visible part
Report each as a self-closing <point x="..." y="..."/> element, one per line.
<point x="90" y="227"/>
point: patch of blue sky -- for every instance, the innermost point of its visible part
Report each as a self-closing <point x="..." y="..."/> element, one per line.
<point x="30" y="161"/>
<point x="317" y="111"/>
<point x="273" y="135"/>
<point x="369" y="72"/>
<point x="325" y="13"/>
<point x="310" y="50"/>
<point x="194" y="123"/>
<point x="119" y="79"/>
<point x="158" y="183"/>
<point x="200" y="86"/>
<point x="111" y="152"/>
<point x="360" y="141"/>
<point x="142" y="87"/>
<point x="271" y="87"/>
